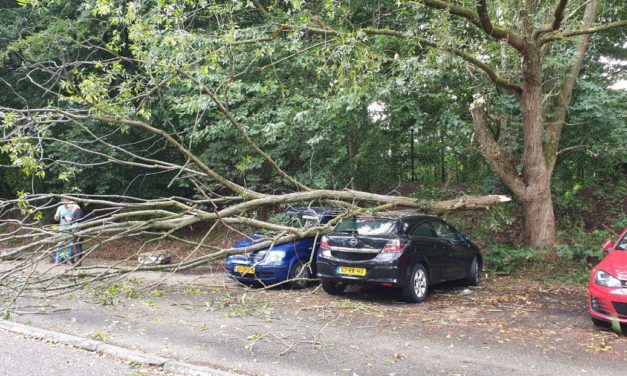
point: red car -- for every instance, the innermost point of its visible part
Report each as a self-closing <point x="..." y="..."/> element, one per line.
<point x="608" y="285"/>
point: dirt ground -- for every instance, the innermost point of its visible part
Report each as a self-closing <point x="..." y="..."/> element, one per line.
<point x="203" y="317"/>
<point x="516" y="314"/>
<point x="544" y="314"/>
<point x="501" y="310"/>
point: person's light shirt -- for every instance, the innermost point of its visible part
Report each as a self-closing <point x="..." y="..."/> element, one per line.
<point x="63" y="212"/>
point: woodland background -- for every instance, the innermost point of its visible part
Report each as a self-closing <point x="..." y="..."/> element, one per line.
<point x="142" y="102"/>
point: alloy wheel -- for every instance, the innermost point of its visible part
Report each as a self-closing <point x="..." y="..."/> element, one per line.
<point x="420" y="283"/>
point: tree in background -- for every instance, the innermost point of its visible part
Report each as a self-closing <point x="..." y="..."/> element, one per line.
<point x="190" y="98"/>
<point x="513" y="45"/>
<point x="263" y="96"/>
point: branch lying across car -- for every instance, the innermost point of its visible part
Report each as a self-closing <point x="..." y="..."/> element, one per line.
<point x="399" y="249"/>
<point x="287" y="261"/>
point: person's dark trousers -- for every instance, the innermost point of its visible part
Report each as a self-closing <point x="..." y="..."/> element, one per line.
<point x="78" y="251"/>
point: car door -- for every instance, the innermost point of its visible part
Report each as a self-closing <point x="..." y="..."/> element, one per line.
<point x="458" y="252"/>
<point x="302" y="249"/>
<point x="424" y="244"/>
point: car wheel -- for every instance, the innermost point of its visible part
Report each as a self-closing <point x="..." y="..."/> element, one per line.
<point x="303" y="273"/>
<point x="416" y="289"/>
<point x="474" y="273"/>
<point x="332" y="288"/>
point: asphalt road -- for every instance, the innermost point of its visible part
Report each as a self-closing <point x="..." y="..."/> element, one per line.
<point x="21" y="356"/>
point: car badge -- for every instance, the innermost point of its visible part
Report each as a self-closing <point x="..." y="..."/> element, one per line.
<point x="352" y="242"/>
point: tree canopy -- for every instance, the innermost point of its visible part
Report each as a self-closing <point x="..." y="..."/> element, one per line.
<point x="208" y="100"/>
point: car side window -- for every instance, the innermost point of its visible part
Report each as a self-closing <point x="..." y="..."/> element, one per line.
<point x="422" y="229"/>
<point x="444" y="231"/>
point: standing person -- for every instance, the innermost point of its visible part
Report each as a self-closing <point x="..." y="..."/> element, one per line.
<point x="64" y="216"/>
<point x="77" y="216"/>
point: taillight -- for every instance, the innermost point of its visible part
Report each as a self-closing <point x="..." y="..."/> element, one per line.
<point x="394" y="246"/>
<point x="324" y="243"/>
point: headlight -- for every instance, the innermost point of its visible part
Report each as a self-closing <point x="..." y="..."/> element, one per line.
<point x="605" y="279"/>
<point x="273" y="256"/>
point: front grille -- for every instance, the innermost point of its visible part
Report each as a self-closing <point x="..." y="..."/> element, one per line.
<point x="621" y="308"/>
<point x="599" y="306"/>
<point x="353" y="256"/>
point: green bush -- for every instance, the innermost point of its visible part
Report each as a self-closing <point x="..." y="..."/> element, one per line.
<point x="495" y="219"/>
<point x="582" y="246"/>
<point x="506" y="259"/>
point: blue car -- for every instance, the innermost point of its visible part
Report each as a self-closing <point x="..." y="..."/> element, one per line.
<point x="281" y="262"/>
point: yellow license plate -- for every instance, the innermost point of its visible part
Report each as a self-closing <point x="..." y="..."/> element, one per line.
<point x="244" y="269"/>
<point x="351" y="271"/>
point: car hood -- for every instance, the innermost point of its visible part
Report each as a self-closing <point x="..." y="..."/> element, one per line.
<point x="615" y="263"/>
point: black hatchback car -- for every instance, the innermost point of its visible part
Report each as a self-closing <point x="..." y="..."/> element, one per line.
<point x="397" y="249"/>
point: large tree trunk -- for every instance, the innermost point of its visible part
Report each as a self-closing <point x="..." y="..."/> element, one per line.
<point x="539" y="219"/>
<point x="537" y="202"/>
<point x="533" y="188"/>
<point x="541" y="137"/>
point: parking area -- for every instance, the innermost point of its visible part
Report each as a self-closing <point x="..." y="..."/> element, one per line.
<point x="507" y="325"/>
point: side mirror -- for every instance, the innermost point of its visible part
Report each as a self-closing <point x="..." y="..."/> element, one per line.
<point x="607" y="246"/>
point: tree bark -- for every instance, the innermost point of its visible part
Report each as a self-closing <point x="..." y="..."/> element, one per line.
<point x="533" y="189"/>
<point x="500" y="163"/>
<point x="537" y="201"/>
<point x="539" y="217"/>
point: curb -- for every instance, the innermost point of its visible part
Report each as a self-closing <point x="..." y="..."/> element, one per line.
<point x="169" y="365"/>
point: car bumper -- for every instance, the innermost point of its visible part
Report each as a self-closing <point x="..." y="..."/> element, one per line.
<point x="608" y="304"/>
<point x="264" y="274"/>
<point x="392" y="273"/>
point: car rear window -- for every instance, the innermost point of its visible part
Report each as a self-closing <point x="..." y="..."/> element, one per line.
<point x="368" y="226"/>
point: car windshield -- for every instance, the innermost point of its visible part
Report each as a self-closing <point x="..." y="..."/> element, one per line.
<point x="622" y="244"/>
<point x="368" y="226"/>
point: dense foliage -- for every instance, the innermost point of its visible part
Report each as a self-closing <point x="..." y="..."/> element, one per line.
<point x="333" y="111"/>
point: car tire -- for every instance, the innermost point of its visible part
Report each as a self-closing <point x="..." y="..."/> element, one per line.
<point x="474" y="273"/>
<point x="417" y="286"/>
<point x="300" y="270"/>
<point x="332" y="288"/>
